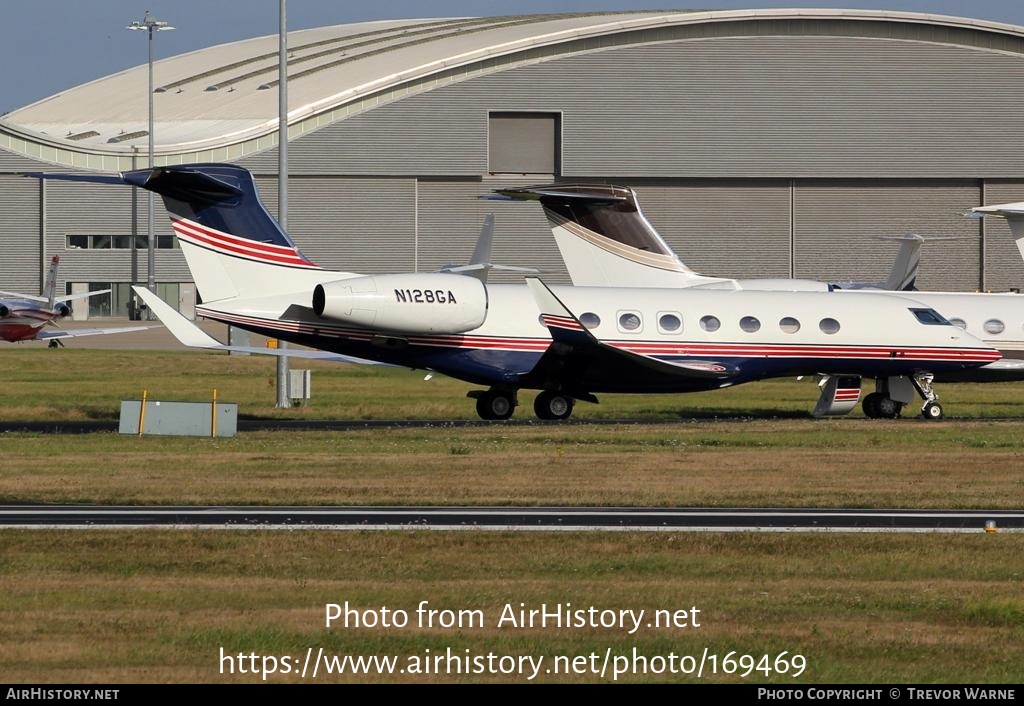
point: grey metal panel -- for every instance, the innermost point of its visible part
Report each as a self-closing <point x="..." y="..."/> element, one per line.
<point x="790" y="106"/>
<point x="726" y="107"/>
<point x="836" y="224"/>
<point x="19" y="234"/>
<point x="1003" y="266"/>
<point x="350" y="224"/>
<point x="11" y="162"/>
<point x="84" y="208"/>
<point x="451" y="215"/>
<point x="437" y="133"/>
<point x="724" y="228"/>
<point x="523" y="143"/>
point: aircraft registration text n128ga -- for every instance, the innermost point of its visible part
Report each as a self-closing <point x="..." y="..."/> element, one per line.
<point x="570" y="343"/>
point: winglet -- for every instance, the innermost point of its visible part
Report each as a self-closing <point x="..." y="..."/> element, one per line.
<point x="562" y="323"/>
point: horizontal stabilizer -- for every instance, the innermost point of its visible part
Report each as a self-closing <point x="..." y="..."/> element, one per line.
<point x="594" y="194"/>
<point x="79" y="332"/>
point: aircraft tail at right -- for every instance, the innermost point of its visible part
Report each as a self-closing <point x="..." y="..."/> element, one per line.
<point x="604" y="238"/>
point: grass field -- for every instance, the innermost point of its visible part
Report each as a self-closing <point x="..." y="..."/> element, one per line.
<point x="157" y="606"/>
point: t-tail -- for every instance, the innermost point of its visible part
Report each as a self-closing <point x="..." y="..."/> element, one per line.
<point x="1014" y="215"/>
<point x="233" y="246"/>
<point x="604" y="238"/>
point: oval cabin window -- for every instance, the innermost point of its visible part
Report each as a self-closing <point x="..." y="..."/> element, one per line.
<point x="710" y="323"/>
<point x="789" y="325"/>
<point x="670" y="323"/>
<point x="829" y="325"/>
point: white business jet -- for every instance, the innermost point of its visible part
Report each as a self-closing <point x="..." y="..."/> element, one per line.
<point x="570" y="343"/>
<point x="604" y="238"/>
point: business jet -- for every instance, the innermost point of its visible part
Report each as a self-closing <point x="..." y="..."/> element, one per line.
<point x="24" y="316"/>
<point x="569" y="343"/>
<point x="605" y="238"/>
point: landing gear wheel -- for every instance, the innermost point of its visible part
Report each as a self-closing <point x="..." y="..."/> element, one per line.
<point x="889" y="408"/>
<point x="553" y="405"/>
<point x="932" y="410"/>
<point x="870" y="405"/>
<point x="495" y="405"/>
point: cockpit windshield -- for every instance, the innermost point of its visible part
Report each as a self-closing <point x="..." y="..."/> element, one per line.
<point x="930" y="317"/>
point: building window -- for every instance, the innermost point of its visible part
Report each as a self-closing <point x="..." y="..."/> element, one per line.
<point x="524" y="143"/>
<point x="118" y="242"/>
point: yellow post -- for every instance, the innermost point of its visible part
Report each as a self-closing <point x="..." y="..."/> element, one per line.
<point x="142" y="412"/>
<point x="213" y="414"/>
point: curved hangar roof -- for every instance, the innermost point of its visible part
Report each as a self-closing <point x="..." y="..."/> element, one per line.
<point x="221" y="103"/>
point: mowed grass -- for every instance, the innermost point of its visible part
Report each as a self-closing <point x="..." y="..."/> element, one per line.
<point x="81" y="384"/>
<point x="758" y="463"/>
<point x="157" y="606"/>
<point x="148" y="606"/>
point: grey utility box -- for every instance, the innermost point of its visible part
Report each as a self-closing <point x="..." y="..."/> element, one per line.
<point x="178" y="418"/>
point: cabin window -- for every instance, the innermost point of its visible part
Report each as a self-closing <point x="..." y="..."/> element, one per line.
<point x="710" y="323"/>
<point x="789" y="325"/>
<point x="959" y="323"/>
<point x="630" y="321"/>
<point x="828" y="325"/>
<point x="750" y="324"/>
<point x="929" y="317"/>
<point x="994" y="326"/>
<point x="670" y="323"/>
<point x="590" y="319"/>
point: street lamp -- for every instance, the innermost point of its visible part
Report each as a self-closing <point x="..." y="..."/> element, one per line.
<point x="150" y="24"/>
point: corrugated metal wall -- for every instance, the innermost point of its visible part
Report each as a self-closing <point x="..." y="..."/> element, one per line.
<point x="83" y="208"/>
<point x="728" y="107"/>
<point x="451" y="215"/>
<point x="19" y="234"/>
<point x="349" y="224"/>
<point x="725" y="228"/>
<point x="836" y="223"/>
<point x="1003" y="265"/>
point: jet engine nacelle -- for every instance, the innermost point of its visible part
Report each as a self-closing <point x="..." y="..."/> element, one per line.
<point x="62" y="310"/>
<point x="431" y="302"/>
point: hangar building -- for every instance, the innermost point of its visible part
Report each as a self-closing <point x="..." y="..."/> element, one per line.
<point x="762" y="143"/>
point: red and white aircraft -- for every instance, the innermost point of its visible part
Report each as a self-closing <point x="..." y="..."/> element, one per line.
<point x="567" y="342"/>
<point x="604" y="237"/>
<point x="23" y="317"/>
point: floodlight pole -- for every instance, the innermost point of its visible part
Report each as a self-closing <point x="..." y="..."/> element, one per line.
<point x="150" y="25"/>
<point x="283" y="397"/>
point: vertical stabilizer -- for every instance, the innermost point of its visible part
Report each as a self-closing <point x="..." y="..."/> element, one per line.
<point x="50" y="285"/>
<point x="1014" y="215"/>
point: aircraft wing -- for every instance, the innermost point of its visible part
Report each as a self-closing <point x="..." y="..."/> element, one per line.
<point x="76" y="332"/>
<point x="575" y="348"/>
<point x="188" y="334"/>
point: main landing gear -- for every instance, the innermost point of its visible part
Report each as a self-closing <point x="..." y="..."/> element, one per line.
<point x="494" y="403"/>
<point x="892" y="394"/>
<point x="498" y="403"/>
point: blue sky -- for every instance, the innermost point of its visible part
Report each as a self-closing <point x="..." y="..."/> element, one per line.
<point x="47" y="46"/>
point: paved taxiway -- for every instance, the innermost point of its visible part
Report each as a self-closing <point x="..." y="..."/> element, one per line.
<point x="509" y="518"/>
